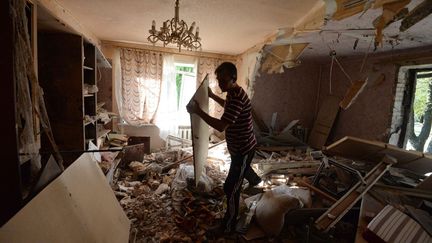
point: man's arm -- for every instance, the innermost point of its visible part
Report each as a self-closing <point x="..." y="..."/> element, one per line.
<point x="217" y="124"/>
<point x="216" y="98"/>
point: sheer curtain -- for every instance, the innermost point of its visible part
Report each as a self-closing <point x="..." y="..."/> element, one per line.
<point x="166" y="117"/>
<point x="141" y="72"/>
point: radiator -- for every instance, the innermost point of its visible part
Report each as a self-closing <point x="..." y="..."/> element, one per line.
<point x="185" y="132"/>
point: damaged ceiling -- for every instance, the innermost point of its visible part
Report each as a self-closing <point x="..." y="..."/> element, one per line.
<point x="231" y="27"/>
<point x="342" y="35"/>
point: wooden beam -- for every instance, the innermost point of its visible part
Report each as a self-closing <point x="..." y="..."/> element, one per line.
<point x="342" y="206"/>
<point x="420" y="12"/>
<point x="318" y="191"/>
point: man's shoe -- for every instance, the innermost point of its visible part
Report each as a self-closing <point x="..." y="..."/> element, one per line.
<point x="255" y="182"/>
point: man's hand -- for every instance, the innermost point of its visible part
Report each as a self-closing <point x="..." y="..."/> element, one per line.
<point x="192" y="107"/>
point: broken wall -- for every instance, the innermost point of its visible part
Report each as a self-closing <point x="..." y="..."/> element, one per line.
<point x="292" y="94"/>
<point x="370" y="116"/>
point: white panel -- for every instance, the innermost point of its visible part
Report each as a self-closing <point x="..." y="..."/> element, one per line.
<point x="78" y="206"/>
<point x="200" y="130"/>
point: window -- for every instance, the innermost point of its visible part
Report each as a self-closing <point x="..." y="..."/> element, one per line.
<point x="185" y="88"/>
<point x="417" y="111"/>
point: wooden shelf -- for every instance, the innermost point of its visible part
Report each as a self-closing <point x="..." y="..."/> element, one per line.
<point x="103" y="133"/>
<point x="89" y="95"/>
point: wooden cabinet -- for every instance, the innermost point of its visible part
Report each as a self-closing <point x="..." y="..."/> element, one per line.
<point x="67" y="67"/>
<point x="90" y="97"/>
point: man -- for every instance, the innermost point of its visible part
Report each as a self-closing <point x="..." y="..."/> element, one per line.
<point x="236" y="121"/>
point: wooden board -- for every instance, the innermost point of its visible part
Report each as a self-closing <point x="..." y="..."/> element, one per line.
<point x="200" y="130"/>
<point x="357" y="148"/>
<point x="352" y="93"/>
<point x="78" y="206"/>
<point x="324" y="122"/>
<point x="341" y="207"/>
<point x="421" y="165"/>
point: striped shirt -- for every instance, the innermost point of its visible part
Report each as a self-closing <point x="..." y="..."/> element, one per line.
<point x="237" y="112"/>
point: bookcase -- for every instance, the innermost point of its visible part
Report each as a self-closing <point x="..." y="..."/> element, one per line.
<point x="67" y="74"/>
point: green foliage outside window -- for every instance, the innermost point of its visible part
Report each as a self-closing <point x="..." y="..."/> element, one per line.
<point x="179" y="76"/>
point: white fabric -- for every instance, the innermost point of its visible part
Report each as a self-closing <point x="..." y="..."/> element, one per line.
<point x="117" y="82"/>
<point x="271" y="209"/>
<point x="166" y="119"/>
<point x="141" y="84"/>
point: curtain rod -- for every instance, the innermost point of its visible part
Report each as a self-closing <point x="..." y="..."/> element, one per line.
<point x="169" y="50"/>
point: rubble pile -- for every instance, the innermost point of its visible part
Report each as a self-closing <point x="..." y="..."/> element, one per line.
<point x="167" y="206"/>
<point x="304" y="194"/>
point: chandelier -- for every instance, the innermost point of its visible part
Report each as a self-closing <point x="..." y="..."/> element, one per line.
<point x="177" y="32"/>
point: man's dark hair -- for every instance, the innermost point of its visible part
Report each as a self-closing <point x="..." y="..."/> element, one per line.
<point x="227" y="68"/>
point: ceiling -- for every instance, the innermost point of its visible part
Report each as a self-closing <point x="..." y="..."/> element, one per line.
<point x="341" y="35"/>
<point x="226" y="26"/>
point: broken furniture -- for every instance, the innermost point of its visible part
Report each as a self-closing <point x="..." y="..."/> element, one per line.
<point x="173" y="142"/>
<point x="134" y="140"/>
<point x="71" y="210"/>
<point x="326" y="162"/>
<point x="362" y="149"/>
<point x="339" y="209"/>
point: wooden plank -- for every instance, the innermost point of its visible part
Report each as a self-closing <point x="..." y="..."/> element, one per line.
<point x="341" y="207"/>
<point x="318" y="191"/>
<point x="421" y="165"/>
<point x="420" y="12"/>
<point x="352" y="93"/>
<point x="324" y="122"/>
<point x="78" y="206"/>
<point x="402" y="155"/>
<point x="355" y="148"/>
<point x="420" y="193"/>
<point x="200" y="130"/>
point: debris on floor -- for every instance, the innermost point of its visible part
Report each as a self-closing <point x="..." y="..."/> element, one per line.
<point x="305" y="194"/>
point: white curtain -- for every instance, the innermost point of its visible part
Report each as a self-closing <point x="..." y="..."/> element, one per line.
<point x="141" y="85"/>
<point x="166" y="116"/>
<point x="117" y="82"/>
